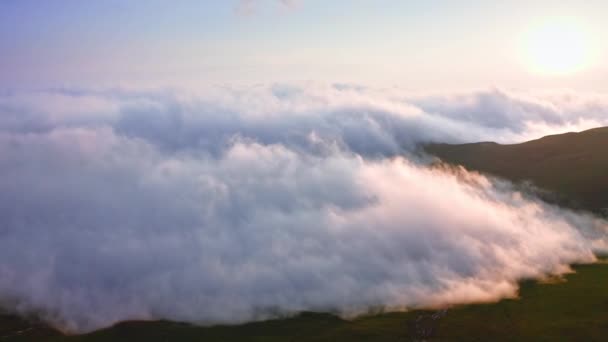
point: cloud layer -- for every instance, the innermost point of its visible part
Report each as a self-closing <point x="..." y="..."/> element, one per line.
<point x="237" y="204"/>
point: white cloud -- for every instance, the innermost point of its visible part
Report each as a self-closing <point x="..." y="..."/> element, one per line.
<point x="242" y="203"/>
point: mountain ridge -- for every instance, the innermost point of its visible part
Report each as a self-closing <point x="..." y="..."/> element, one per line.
<point x="572" y="166"/>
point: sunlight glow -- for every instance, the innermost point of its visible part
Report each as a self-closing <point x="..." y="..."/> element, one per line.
<point x="557" y="47"/>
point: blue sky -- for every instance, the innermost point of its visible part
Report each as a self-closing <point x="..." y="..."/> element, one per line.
<point x="418" y="44"/>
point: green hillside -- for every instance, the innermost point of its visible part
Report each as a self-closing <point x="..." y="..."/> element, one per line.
<point x="573" y="166"/>
<point x="572" y="310"/>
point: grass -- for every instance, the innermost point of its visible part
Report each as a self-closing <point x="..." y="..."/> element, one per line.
<point x="575" y="309"/>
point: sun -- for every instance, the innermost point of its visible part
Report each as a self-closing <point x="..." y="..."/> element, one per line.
<point x="557" y="47"/>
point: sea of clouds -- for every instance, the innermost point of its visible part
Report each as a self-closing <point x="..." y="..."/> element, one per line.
<point x="229" y="204"/>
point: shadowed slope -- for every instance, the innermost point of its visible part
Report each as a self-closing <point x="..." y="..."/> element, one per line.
<point x="573" y="165"/>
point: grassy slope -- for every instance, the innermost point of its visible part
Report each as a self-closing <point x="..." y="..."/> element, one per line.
<point x="574" y="310"/>
<point x="574" y="166"/>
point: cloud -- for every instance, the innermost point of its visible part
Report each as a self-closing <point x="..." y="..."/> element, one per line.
<point x="238" y="204"/>
<point x="366" y="121"/>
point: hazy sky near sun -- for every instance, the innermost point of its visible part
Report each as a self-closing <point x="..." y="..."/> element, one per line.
<point x="419" y="44"/>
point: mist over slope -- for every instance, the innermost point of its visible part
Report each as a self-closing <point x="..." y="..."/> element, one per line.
<point x="237" y="204"/>
<point x="573" y="165"/>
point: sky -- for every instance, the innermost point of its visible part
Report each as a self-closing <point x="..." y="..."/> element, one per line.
<point x="419" y="45"/>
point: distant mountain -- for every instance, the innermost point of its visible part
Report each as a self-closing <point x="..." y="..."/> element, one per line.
<point x="573" y="166"/>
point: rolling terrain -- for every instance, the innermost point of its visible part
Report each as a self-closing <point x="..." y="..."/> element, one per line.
<point x="573" y="167"/>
